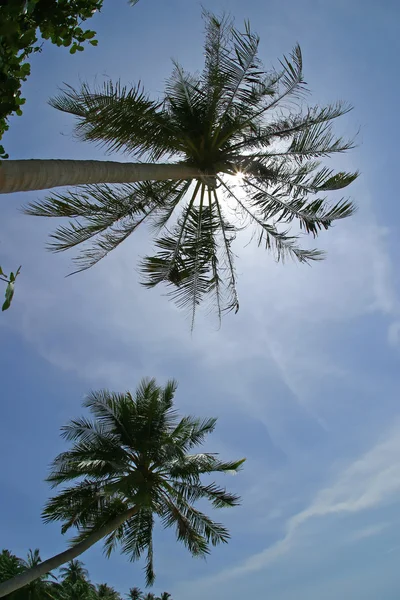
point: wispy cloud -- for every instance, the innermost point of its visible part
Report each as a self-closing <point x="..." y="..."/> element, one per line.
<point x="370" y="481"/>
<point x="367" y="532"/>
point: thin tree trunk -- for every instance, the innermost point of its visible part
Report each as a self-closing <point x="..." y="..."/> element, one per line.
<point x="59" y="559"/>
<point x="27" y="175"/>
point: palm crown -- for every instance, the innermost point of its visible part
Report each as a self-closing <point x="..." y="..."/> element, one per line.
<point x="233" y="118"/>
<point x="75" y="584"/>
<point x="134" y="457"/>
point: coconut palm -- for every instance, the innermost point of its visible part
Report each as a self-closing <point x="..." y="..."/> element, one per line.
<point x="39" y="589"/>
<point x="129" y="464"/>
<point x="134" y="593"/>
<point x="10" y="565"/>
<point x="106" y="592"/>
<point x="243" y="148"/>
<point x="74" y="572"/>
<point x="75" y="584"/>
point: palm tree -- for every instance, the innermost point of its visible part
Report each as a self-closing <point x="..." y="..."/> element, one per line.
<point x="39" y="589"/>
<point x="42" y="588"/>
<point x="10" y="565"/>
<point x="74" y="572"/>
<point x="75" y="584"/>
<point x="130" y="464"/>
<point x="135" y="593"/>
<point x="243" y="148"/>
<point x="106" y="592"/>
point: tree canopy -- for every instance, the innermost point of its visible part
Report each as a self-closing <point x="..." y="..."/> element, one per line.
<point x="23" y="23"/>
<point x="71" y="582"/>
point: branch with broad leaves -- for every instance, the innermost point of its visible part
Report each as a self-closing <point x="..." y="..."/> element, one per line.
<point x="10" y="281"/>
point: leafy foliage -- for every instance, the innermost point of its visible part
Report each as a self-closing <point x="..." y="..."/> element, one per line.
<point x="250" y="133"/>
<point x="72" y="582"/>
<point x="43" y="588"/>
<point x="135" y="454"/>
<point x="21" y="22"/>
<point x="10" y="281"/>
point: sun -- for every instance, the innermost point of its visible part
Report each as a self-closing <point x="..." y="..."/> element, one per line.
<point x="236" y="179"/>
<point x="239" y="177"/>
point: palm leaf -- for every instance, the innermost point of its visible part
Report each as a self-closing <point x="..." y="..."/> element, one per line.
<point x="118" y="118"/>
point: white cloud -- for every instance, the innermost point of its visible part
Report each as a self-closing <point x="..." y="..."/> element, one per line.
<point x="367" y="532"/>
<point x="369" y="482"/>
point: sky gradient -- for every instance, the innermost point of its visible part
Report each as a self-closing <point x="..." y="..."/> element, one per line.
<point x="304" y="379"/>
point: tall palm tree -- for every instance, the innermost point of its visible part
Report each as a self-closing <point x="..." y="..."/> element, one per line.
<point x="130" y="464"/>
<point x="243" y="148"/>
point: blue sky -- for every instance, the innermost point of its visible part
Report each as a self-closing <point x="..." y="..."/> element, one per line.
<point x="304" y="379"/>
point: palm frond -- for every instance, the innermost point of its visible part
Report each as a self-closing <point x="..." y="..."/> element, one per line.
<point x="193" y="261"/>
<point x="302" y="180"/>
<point x="312" y="215"/>
<point x="80" y="506"/>
<point x="282" y="244"/>
<point x="186" y="530"/>
<point x="107" y="215"/>
<point x="185" y="267"/>
<point x="137" y="534"/>
<point x="241" y="70"/>
<point x="192" y="492"/>
<point x="289" y="84"/>
<point x="165" y="266"/>
<point x="194" y="528"/>
<point x="118" y="118"/>
<point x="114" y="411"/>
<point x="193" y="466"/>
<point x="217" y="33"/>
<point x="228" y="236"/>
<point x="191" y="432"/>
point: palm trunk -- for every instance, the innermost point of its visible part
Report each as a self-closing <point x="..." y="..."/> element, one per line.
<point x="26" y="175"/>
<point x="7" y="587"/>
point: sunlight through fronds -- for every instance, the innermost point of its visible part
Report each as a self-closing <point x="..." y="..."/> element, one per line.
<point x="248" y="131"/>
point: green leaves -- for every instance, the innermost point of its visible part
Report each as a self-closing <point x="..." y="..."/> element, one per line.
<point x="118" y="118"/>
<point x="21" y="23"/>
<point x="9" y="293"/>
<point x="107" y="215"/>
<point x="193" y="257"/>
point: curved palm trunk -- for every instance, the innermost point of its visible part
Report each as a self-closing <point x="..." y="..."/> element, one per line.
<point x="59" y="559"/>
<point x="26" y="175"/>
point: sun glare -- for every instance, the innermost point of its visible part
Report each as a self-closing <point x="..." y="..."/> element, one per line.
<point x="236" y="179"/>
<point x="239" y="178"/>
